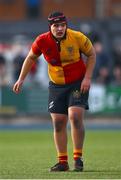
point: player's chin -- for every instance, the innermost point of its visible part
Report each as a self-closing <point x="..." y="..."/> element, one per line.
<point x="60" y="36"/>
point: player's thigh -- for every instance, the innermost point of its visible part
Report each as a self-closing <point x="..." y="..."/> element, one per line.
<point x="76" y="98"/>
<point x="57" y="102"/>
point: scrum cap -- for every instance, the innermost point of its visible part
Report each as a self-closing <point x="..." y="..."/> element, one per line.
<point x="56" y="17"/>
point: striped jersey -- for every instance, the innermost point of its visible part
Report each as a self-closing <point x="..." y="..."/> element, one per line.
<point x="65" y="64"/>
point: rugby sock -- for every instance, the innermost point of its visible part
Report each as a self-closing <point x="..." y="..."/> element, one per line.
<point x="77" y="154"/>
<point x="62" y="157"/>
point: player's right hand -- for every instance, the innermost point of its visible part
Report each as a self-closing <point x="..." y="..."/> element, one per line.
<point x="17" y="86"/>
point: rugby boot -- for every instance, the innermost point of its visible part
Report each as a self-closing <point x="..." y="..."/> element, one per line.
<point x="78" y="164"/>
<point x="60" y="167"/>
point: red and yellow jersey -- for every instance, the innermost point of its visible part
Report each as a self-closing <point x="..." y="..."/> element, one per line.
<point x="65" y="64"/>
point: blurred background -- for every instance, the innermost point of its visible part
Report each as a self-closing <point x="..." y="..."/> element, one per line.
<point x="22" y="20"/>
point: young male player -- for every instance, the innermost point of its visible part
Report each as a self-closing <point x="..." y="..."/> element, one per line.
<point x="70" y="80"/>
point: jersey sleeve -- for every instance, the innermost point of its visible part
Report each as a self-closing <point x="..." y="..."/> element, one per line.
<point x="84" y="43"/>
<point x="36" y="47"/>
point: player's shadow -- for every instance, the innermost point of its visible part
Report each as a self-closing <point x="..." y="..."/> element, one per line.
<point x="98" y="171"/>
<point x="105" y="170"/>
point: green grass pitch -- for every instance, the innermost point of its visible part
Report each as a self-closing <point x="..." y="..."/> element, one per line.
<point x="30" y="154"/>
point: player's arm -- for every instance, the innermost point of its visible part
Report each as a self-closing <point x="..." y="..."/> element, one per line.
<point x="28" y="62"/>
<point x="87" y="49"/>
<point x="91" y="60"/>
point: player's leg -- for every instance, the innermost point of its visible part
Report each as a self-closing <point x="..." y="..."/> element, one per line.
<point x="60" y="139"/>
<point x="76" y="115"/>
<point x="78" y="102"/>
<point x="57" y="106"/>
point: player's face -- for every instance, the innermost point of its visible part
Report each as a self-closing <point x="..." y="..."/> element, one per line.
<point x="58" y="30"/>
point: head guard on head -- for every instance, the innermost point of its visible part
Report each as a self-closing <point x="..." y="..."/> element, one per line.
<point x="56" y="17"/>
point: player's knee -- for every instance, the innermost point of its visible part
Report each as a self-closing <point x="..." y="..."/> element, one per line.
<point x="76" y="121"/>
<point x="58" y="125"/>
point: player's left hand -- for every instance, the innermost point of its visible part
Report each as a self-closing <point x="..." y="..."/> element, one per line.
<point x="85" y="85"/>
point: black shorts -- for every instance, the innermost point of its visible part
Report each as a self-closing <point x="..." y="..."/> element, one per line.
<point x="61" y="97"/>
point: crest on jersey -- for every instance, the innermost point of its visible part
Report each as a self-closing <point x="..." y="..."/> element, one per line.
<point x="70" y="49"/>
